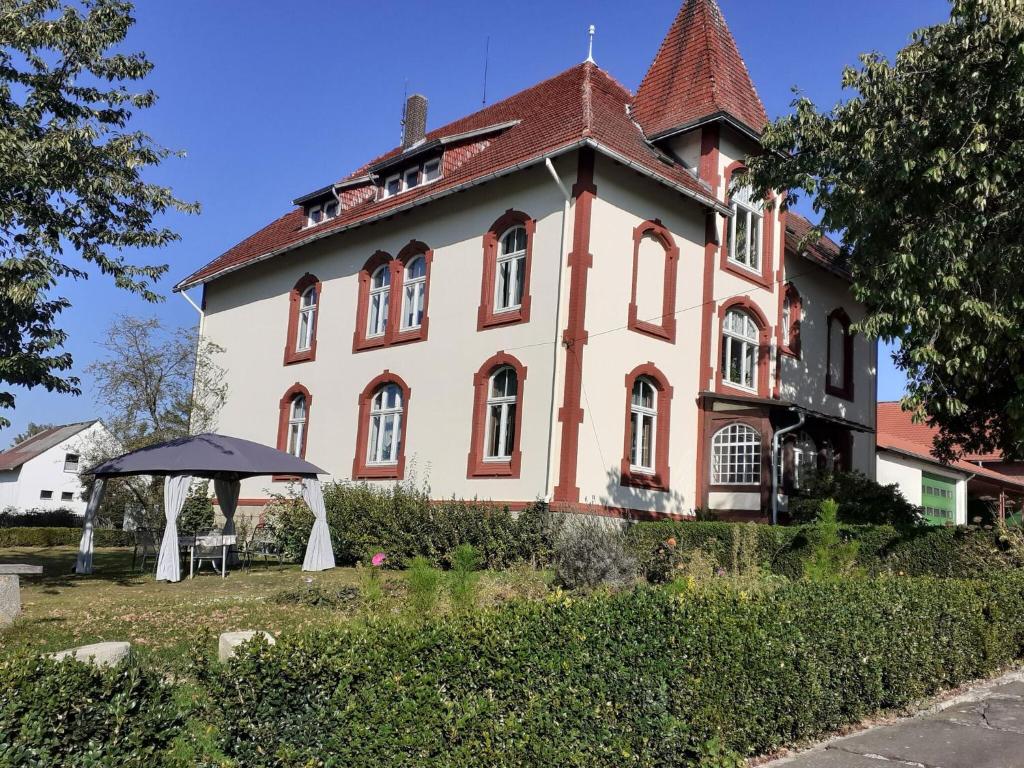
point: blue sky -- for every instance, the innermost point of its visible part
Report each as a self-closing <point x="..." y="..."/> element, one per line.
<point x="274" y="99"/>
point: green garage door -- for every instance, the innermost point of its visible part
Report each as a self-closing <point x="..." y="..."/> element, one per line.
<point x="938" y="499"/>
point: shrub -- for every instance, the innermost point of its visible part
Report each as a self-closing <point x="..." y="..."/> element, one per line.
<point x="423" y="581"/>
<point x="641" y="677"/>
<point x="40" y="518"/>
<point x="291" y="521"/>
<point x="591" y="553"/>
<point x="69" y="713"/>
<point x="197" y="511"/>
<point x="62" y="537"/>
<point x="831" y="555"/>
<point x="862" y="501"/>
<point x="316" y="596"/>
<point x="463" y="578"/>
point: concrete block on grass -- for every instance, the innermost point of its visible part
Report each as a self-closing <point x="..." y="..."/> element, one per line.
<point x="100" y="654"/>
<point x="10" y="599"/>
<point x="229" y="641"/>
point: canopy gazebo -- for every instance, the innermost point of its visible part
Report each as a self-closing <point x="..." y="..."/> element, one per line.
<point x="225" y="460"/>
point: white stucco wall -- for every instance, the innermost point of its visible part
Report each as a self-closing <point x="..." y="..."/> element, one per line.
<point x="905" y="472"/>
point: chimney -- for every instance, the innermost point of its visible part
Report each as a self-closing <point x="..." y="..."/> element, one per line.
<point x="414" y="125"/>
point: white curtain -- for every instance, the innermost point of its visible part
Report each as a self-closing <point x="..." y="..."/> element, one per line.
<point x="227" y="499"/>
<point x="168" y="567"/>
<point x="319" y="554"/>
<point x="84" y="562"/>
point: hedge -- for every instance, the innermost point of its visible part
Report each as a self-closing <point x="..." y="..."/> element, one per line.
<point x="954" y="552"/>
<point x="645" y="678"/>
<point x="61" y="537"/>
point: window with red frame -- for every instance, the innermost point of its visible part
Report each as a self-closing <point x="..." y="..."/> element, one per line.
<point x="839" y="371"/>
<point x="393" y="298"/>
<point x="648" y="409"/>
<point x="303" y="313"/>
<point x="655" y="260"/>
<point x="293" y="420"/>
<point x="505" y="287"/>
<point x="792" y="314"/>
<point x="381" y="430"/>
<point x="497" y="418"/>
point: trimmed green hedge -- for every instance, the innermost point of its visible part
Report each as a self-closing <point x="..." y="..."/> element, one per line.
<point x="919" y="551"/>
<point x="644" y="678"/>
<point x="62" y="537"/>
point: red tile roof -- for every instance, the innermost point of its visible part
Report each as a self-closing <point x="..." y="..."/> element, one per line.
<point x="897" y="431"/>
<point x="698" y="72"/>
<point x="581" y="105"/>
<point x="824" y="251"/>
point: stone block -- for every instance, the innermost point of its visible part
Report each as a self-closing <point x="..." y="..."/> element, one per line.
<point x="100" y="654"/>
<point x="229" y="641"/>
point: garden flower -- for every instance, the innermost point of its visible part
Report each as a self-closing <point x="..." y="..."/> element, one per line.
<point x="671" y="542"/>
<point x="378" y="559"/>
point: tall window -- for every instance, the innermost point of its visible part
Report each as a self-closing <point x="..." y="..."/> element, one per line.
<point x="380" y="296"/>
<point x="511" y="270"/>
<point x="792" y="311"/>
<point x="296" y="426"/>
<point x="415" y="287"/>
<point x="745" y="230"/>
<point x="307" y="319"/>
<point x="840" y="352"/>
<point x="385" y="425"/>
<point x="501" y="414"/>
<point x="643" y="418"/>
<point x="736" y="456"/>
<point x="739" y="349"/>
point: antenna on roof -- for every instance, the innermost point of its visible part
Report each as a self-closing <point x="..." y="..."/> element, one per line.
<point x="487" y="58"/>
<point x="590" y="43"/>
<point x="405" y="104"/>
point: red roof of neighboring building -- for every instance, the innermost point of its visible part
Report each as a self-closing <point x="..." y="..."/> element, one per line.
<point x="896" y="430"/>
<point x="582" y="104"/>
<point x="698" y="72"/>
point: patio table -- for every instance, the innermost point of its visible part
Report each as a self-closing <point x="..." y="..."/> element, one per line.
<point x="191" y="542"/>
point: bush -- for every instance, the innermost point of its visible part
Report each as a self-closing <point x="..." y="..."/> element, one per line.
<point x="62" y="537"/>
<point x="832" y="556"/>
<point x="40" y="518"/>
<point x="73" y="714"/>
<point x="642" y="677"/>
<point x="463" y="578"/>
<point x="591" y="553"/>
<point x="423" y="581"/>
<point x="862" y="501"/>
<point x="197" y="512"/>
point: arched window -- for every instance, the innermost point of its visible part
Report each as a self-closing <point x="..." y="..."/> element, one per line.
<point x="293" y="420"/>
<point x="415" y="289"/>
<point x="307" y="319"/>
<point x="385" y="425"/>
<point x="840" y="356"/>
<point x="511" y="270"/>
<point x="652" y="304"/>
<point x="792" y="314"/>
<point x="380" y="298"/>
<point x="643" y="421"/>
<point x="739" y="349"/>
<point x="745" y="229"/>
<point x="648" y="412"/>
<point x="297" y="426"/>
<point x="736" y="456"/>
<point x="502" y="396"/>
<point x="505" y="290"/>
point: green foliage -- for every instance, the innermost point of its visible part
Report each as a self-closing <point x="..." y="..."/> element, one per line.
<point x="40" y="518"/>
<point x="316" y="596"/>
<point x="423" y="581"/>
<point x="462" y="579"/>
<point x="197" y="511"/>
<point x="591" y="553"/>
<point x="55" y="714"/>
<point x="640" y="678"/>
<point x="862" y="501"/>
<point x="72" y="180"/>
<point x="920" y="167"/>
<point x="831" y="556"/>
<point x="370" y="588"/>
<point x="62" y="537"/>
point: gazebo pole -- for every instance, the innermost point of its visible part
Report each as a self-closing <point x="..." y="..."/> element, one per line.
<point x="83" y="563"/>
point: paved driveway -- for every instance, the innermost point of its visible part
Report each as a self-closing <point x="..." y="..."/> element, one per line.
<point x="984" y="729"/>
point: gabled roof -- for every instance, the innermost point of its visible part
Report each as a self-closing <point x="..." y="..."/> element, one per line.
<point x="697" y="73"/>
<point x="582" y="106"/>
<point x="824" y="251"/>
<point x="39" y="443"/>
<point x="897" y="431"/>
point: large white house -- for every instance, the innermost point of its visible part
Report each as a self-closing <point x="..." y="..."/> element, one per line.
<point x="555" y="297"/>
<point x="42" y="472"/>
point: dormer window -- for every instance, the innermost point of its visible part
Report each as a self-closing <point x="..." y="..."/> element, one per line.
<point x="317" y="214"/>
<point x="431" y="171"/>
<point x="392" y="186"/>
<point x="411" y="178"/>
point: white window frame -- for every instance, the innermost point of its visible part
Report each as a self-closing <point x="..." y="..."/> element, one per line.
<point x="297" y="425"/>
<point x="74" y="466"/>
<point x="423" y="176"/>
<point x="403" y="178"/>
<point x="753" y="213"/>
<point x="67" y="495"/>
<point x="416" y="169"/>
<point x="377" y="313"/>
<point x="736" y="453"/>
<point x="506" y="406"/>
<point x="387" y="183"/>
<point x="45" y="495"/>
<point x="418" y="287"/>
<point x="306" y="331"/>
<point x="638" y="413"/>
<point x="516" y="261"/>
<point x="731" y="337"/>
<point x="381" y="415"/>
<point x="321" y="209"/>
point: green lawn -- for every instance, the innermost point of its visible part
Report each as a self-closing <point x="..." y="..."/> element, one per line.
<point x="164" y="621"/>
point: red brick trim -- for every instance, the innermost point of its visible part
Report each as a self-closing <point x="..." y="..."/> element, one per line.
<point x="665" y="328"/>
<point x="763" y="277"/>
<point x="839" y="315"/>
<point x="791" y="346"/>
<point x="412" y="249"/>
<point x="393" y="333"/>
<point x="359" y="340"/>
<point x="361" y="470"/>
<point x="780" y="272"/>
<point x="291" y="355"/>
<point x="715" y="423"/>
<point x="763" y="346"/>
<point x="574" y="337"/>
<point x="486" y="316"/>
<point x="476" y="465"/>
<point x="283" y="412"/>
<point x="659" y="481"/>
<point x="709" y="160"/>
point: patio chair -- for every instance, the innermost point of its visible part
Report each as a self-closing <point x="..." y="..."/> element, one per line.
<point x="263" y="544"/>
<point x="147" y="545"/>
<point x="210" y="550"/>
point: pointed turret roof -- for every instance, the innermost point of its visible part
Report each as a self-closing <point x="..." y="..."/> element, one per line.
<point x="697" y="73"/>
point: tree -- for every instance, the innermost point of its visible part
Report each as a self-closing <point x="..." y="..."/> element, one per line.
<point x="922" y="171"/>
<point x="72" y="176"/>
<point x="153" y="383"/>
<point x="30" y="430"/>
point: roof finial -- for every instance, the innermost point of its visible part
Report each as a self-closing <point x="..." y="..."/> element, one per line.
<point x="590" y="43"/>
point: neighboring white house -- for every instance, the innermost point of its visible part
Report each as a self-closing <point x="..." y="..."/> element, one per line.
<point x="42" y="472"/>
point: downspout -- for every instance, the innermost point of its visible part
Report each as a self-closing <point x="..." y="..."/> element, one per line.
<point x="199" y="340"/>
<point x="553" y="416"/>
<point x="775" y="457"/>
